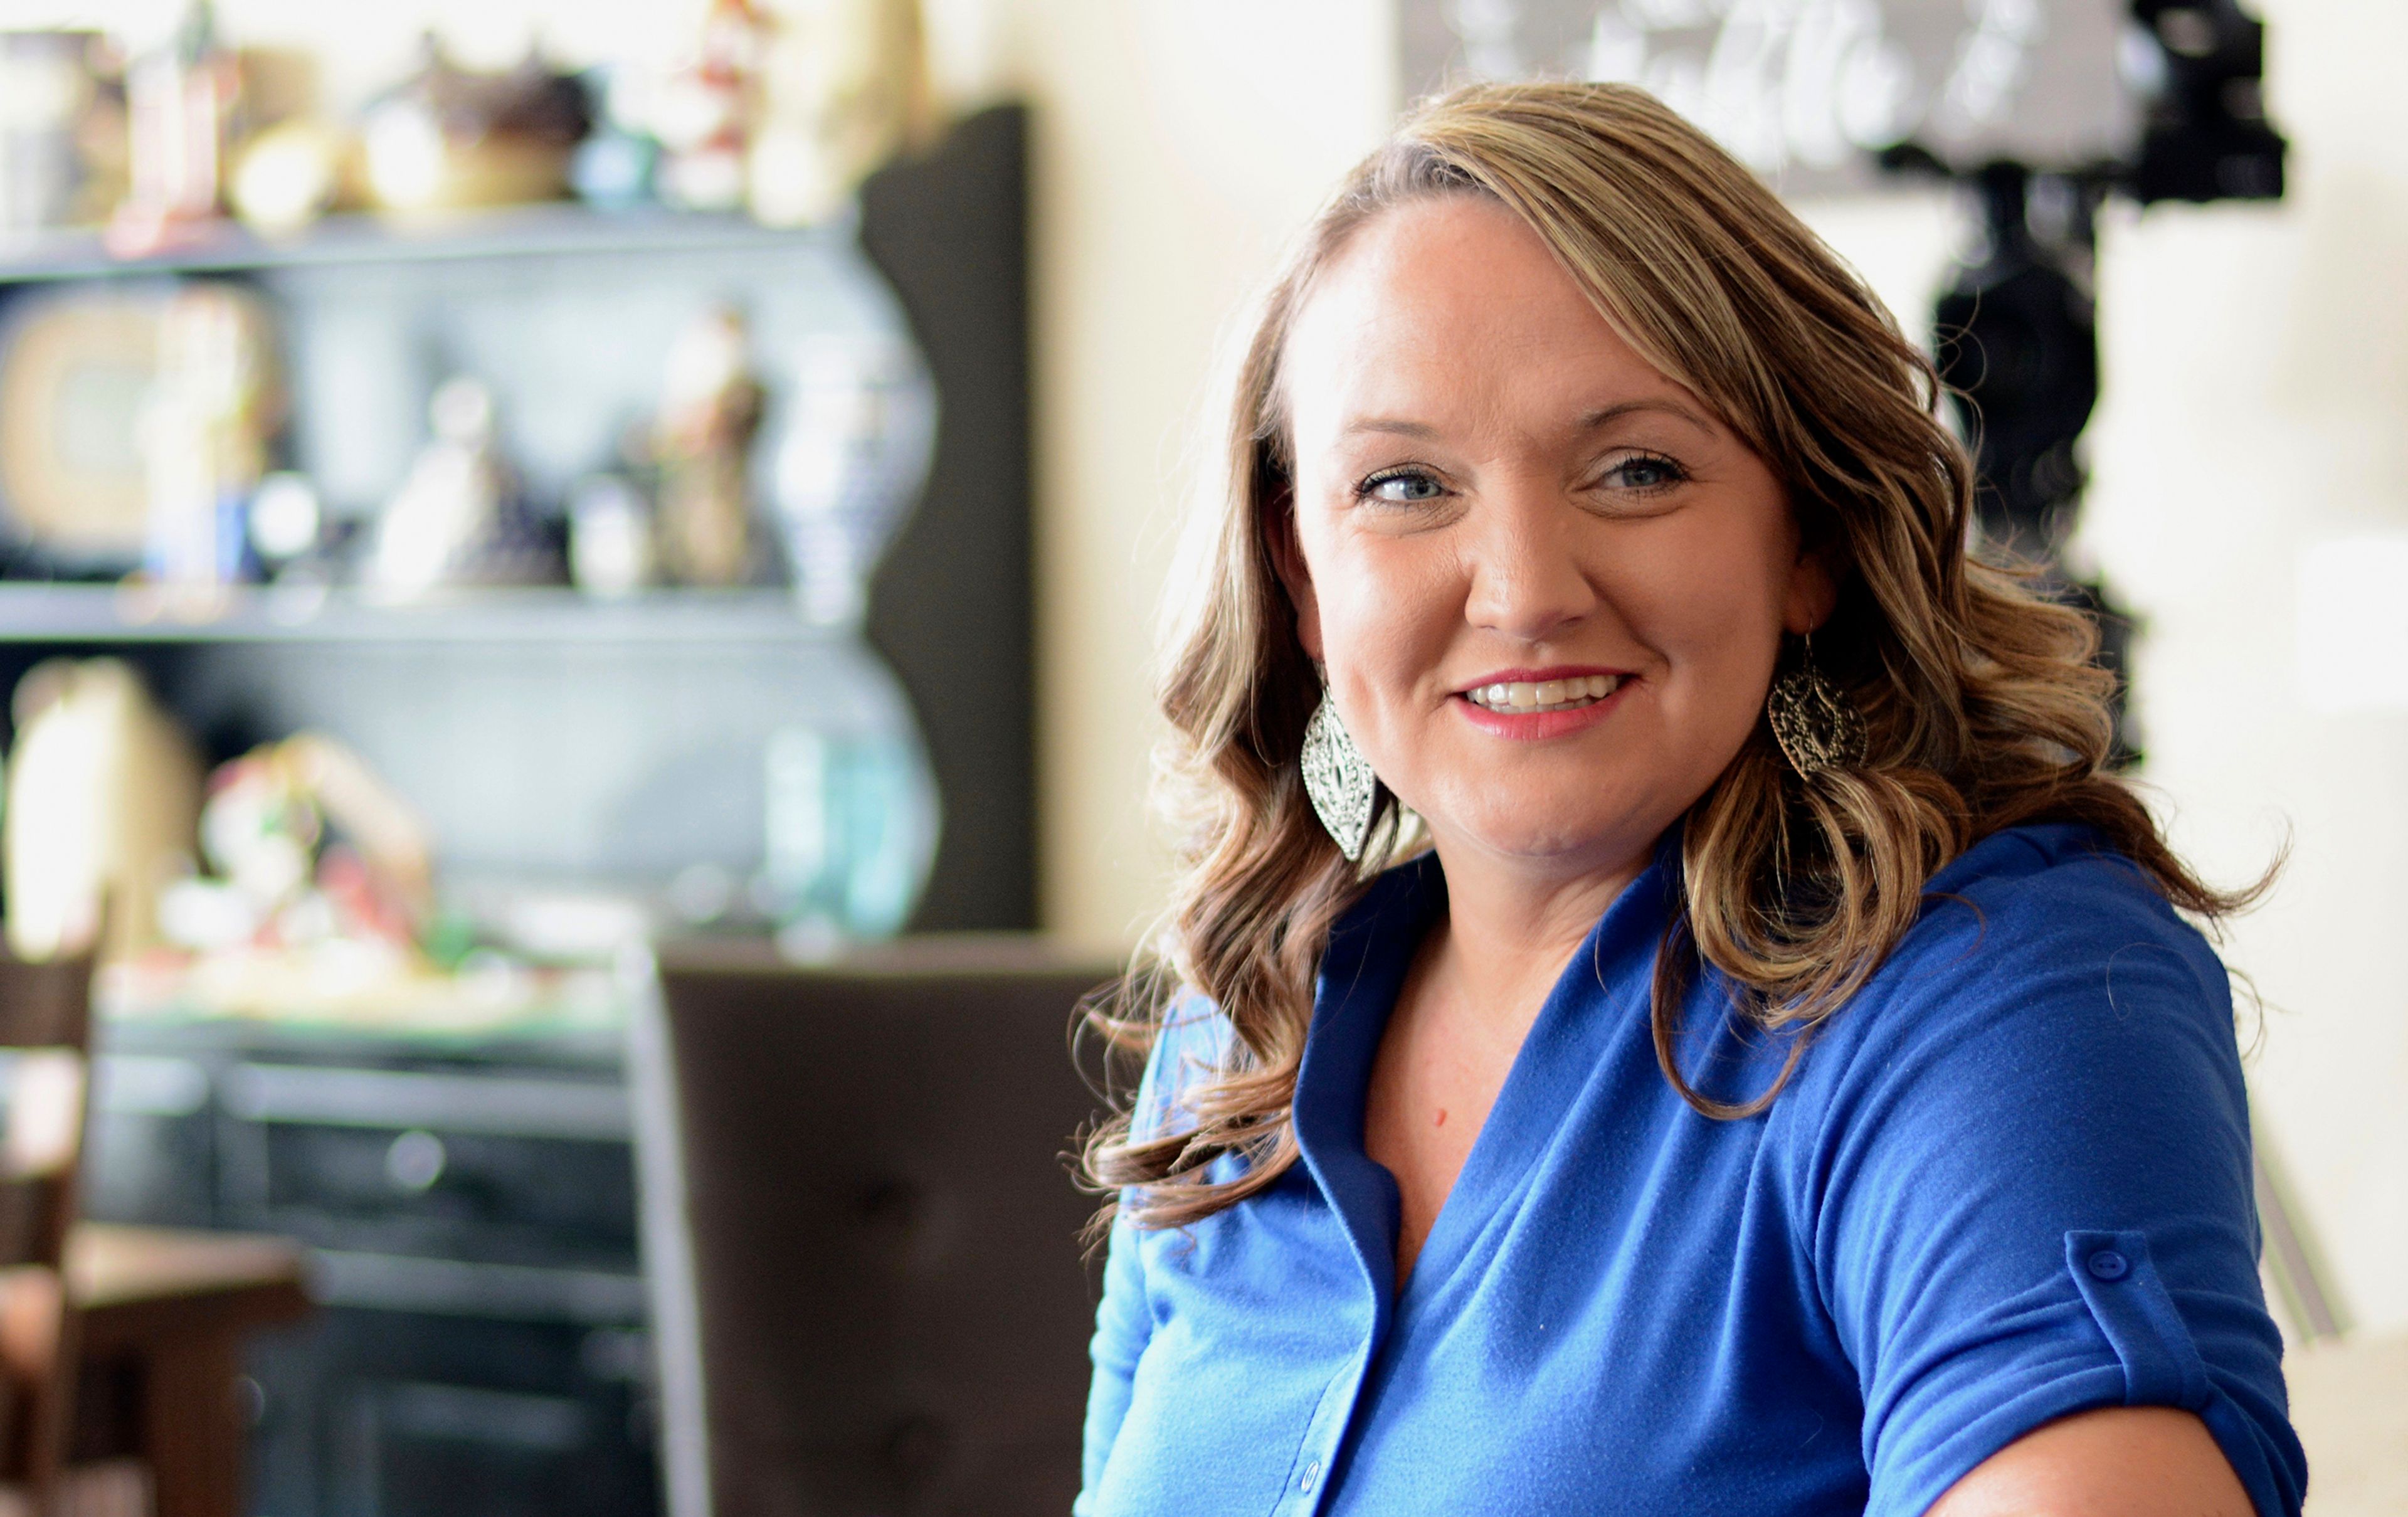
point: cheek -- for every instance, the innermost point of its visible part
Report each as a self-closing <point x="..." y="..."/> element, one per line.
<point x="1707" y="596"/>
<point x="1386" y="605"/>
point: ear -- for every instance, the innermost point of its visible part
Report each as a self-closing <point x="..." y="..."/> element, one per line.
<point x="1287" y="561"/>
<point x="1812" y="591"/>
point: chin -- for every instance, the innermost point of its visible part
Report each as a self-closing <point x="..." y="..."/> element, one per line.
<point x="1543" y="833"/>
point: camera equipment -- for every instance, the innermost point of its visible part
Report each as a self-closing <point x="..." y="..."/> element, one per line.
<point x="2018" y="346"/>
<point x="2206" y="136"/>
<point x="2016" y="334"/>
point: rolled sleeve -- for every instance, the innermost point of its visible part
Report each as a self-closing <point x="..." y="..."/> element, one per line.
<point x="2034" y="1198"/>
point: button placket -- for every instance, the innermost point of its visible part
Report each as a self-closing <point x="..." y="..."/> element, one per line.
<point x="1318" y="1447"/>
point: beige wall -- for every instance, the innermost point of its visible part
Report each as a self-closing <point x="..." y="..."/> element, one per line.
<point x="1178" y="146"/>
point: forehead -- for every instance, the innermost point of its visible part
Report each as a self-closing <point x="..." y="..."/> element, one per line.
<point x="1456" y="311"/>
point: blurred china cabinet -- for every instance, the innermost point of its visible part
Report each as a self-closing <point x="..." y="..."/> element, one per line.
<point x="844" y="750"/>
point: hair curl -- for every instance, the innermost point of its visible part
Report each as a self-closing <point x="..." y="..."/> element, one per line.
<point x="1982" y="704"/>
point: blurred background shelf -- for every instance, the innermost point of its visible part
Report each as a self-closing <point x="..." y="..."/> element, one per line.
<point x="540" y="231"/>
<point x="110" y="614"/>
<point x="542" y="733"/>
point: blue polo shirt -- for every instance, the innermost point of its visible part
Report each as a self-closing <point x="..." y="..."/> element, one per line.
<point x="2011" y="1180"/>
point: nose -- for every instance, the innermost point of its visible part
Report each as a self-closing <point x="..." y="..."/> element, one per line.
<point x="1527" y="579"/>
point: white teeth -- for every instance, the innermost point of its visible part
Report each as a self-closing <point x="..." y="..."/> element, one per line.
<point x="1523" y="696"/>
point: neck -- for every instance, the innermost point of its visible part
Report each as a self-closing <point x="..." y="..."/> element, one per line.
<point x="1510" y="929"/>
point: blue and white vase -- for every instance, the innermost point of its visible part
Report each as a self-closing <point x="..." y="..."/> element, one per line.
<point x="858" y="432"/>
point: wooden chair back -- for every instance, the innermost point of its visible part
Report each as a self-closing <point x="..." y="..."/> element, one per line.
<point x="45" y="1049"/>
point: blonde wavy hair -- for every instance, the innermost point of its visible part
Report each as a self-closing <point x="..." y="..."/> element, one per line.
<point x="1982" y="705"/>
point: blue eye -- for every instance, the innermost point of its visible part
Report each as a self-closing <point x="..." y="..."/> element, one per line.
<point x="1401" y="486"/>
<point x="1646" y="471"/>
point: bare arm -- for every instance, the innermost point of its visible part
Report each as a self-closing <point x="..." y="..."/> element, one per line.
<point x="2115" y="1461"/>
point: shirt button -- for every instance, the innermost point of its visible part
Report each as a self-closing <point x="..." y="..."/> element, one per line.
<point x="2109" y="1265"/>
<point x="1312" y="1478"/>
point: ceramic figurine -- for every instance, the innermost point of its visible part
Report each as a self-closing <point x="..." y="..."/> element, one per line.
<point x="290" y="175"/>
<point x="306" y="844"/>
<point x="704" y="113"/>
<point x="448" y="137"/>
<point x="178" y="98"/>
<point x="213" y="405"/>
<point x="53" y="84"/>
<point x="612" y="546"/>
<point x="103" y="794"/>
<point x="702" y="442"/>
<point x="844" y="87"/>
<point x="614" y="166"/>
<point x="459" y="517"/>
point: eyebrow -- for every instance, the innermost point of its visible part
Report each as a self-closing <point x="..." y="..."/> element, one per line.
<point x="1589" y="421"/>
<point x="1392" y="426"/>
<point x="1595" y="418"/>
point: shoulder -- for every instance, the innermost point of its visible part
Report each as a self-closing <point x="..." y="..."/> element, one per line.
<point x="2047" y="908"/>
<point x="1191" y="1044"/>
<point x="2041" y="958"/>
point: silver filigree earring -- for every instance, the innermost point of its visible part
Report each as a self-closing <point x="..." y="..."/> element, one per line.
<point x="1339" y="780"/>
<point x="1817" y="725"/>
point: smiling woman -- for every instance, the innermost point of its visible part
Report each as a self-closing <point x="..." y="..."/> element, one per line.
<point x="1699" y="1084"/>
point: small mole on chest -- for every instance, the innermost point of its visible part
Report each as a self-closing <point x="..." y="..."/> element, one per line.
<point x="1440" y="1120"/>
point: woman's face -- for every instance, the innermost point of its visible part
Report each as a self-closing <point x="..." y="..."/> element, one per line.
<point x="1548" y="585"/>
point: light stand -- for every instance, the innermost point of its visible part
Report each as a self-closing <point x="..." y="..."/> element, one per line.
<point x="2015" y="331"/>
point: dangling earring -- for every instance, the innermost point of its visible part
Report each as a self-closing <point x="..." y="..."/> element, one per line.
<point x="1337" y="779"/>
<point x="1817" y="725"/>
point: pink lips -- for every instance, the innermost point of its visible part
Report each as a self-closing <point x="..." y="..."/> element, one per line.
<point x="1539" y="726"/>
